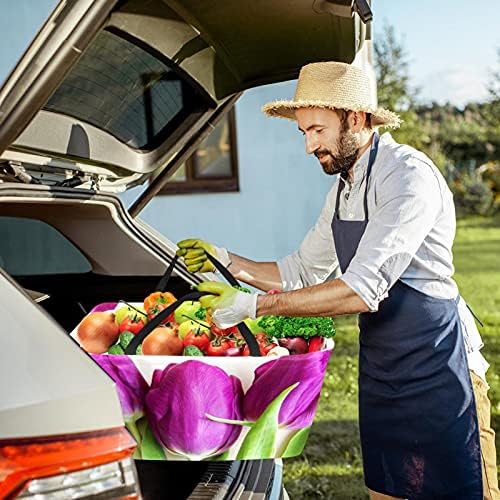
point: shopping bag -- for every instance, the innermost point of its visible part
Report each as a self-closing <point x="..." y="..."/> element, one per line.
<point x="215" y="407"/>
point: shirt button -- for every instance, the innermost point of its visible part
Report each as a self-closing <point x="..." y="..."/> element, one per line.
<point x="351" y="215"/>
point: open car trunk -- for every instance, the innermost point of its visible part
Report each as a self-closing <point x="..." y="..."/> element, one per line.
<point x="74" y="270"/>
<point x="71" y="271"/>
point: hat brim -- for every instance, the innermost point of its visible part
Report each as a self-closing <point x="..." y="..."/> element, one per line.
<point x="381" y="117"/>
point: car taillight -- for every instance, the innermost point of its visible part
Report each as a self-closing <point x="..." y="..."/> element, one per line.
<point x="71" y="466"/>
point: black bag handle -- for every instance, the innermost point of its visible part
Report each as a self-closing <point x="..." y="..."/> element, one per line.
<point x="223" y="270"/>
<point x="162" y="284"/>
<point x="247" y="335"/>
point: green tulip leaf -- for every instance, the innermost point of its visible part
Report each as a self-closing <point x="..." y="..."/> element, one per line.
<point x="260" y="442"/>
<point x="296" y="443"/>
<point x="150" y="448"/>
<point x="132" y="427"/>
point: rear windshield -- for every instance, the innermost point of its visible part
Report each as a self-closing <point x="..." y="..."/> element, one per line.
<point x="128" y="91"/>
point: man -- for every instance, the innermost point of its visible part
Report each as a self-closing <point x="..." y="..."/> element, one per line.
<point x="388" y="225"/>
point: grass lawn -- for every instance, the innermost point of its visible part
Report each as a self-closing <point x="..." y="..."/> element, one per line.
<point x="330" y="466"/>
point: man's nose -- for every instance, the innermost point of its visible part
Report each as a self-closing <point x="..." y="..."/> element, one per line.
<point x="311" y="144"/>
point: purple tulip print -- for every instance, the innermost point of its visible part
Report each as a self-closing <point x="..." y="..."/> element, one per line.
<point x="130" y="384"/>
<point x="297" y="410"/>
<point x="178" y="402"/>
<point x="105" y="306"/>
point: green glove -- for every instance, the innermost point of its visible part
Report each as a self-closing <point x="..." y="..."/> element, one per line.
<point x="227" y="305"/>
<point x="194" y="252"/>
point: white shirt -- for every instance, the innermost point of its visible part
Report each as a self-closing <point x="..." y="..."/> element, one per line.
<point x="409" y="235"/>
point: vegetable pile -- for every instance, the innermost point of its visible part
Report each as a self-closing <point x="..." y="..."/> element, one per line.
<point x="190" y="331"/>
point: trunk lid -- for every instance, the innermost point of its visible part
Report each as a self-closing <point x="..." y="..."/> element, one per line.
<point x="111" y="93"/>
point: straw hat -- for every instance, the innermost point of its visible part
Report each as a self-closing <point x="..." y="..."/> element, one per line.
<point x="333" y="85"/>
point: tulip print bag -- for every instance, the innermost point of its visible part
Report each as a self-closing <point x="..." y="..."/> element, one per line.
<point x="215" y="407"/>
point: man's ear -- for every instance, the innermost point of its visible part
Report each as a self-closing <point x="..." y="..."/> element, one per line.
<point x="357" y="120"/>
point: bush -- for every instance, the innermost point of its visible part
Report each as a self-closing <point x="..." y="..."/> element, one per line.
<point x="490" y="173"/>
<point x="473" y="195"/>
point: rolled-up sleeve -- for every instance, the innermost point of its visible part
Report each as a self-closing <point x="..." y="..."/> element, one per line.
<point x="315" y="260"/>
<point x="408" y="203"/>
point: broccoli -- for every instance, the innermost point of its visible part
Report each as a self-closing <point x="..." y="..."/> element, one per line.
<point x="116" y="349"/>
<point x="286" y="326"/>
<point x="125" y="339"/>
<point x="192" y="350"/>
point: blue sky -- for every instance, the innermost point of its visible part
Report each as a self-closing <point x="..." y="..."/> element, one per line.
<point x="451" y="44"/>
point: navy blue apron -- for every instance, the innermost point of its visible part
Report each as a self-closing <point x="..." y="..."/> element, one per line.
<point x="417" y="415"/>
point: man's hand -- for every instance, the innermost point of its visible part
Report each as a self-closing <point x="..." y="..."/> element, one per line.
<point x="194" y="252"/>
<point x="227" y="305"/>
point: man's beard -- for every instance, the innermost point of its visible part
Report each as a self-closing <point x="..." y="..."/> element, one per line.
<point x="347" y="153"/>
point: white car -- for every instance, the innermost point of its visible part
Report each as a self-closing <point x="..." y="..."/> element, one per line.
<point x="109" y="95"/>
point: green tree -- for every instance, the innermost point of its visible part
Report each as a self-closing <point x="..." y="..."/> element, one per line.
<point x="396" y="93"/>
<point x="494" y="84"/>
<point x="391" y="68"/>
<point x="491" y="111"/>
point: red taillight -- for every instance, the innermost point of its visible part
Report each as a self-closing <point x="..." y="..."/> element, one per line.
<point x="22" y="460"/>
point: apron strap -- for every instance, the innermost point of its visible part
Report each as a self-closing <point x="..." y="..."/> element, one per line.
<point x="474" y="315"/>
<point x="371" y="161"/>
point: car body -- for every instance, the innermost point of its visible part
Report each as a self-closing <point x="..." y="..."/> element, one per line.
<point x="108" y="96"/>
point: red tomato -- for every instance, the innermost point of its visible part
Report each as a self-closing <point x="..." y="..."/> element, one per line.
<point x="219" y="346"/>
<point x="133" y="325"/>
<point x="273" y="291"/>
<point x="264" y="345"/>
<point x="221" y="332"/>
<point x="157" y="309"/>
<point x="198" y="339"/>
<point x="315" y="344"/>
<point x="238" y="338"/>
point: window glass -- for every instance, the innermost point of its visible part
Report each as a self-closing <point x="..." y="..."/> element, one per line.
<point x="213" y="157"/>
<point x="213" y="166"/>
<point x="125" y="90"/>
<point x="32" y="247"/>
<point x="180" y="175"/>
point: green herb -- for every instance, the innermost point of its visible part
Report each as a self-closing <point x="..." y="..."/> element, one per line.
<point x="201" y="314"/>
<point x="242" y="289"/>
<point x="286" y="326"/>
